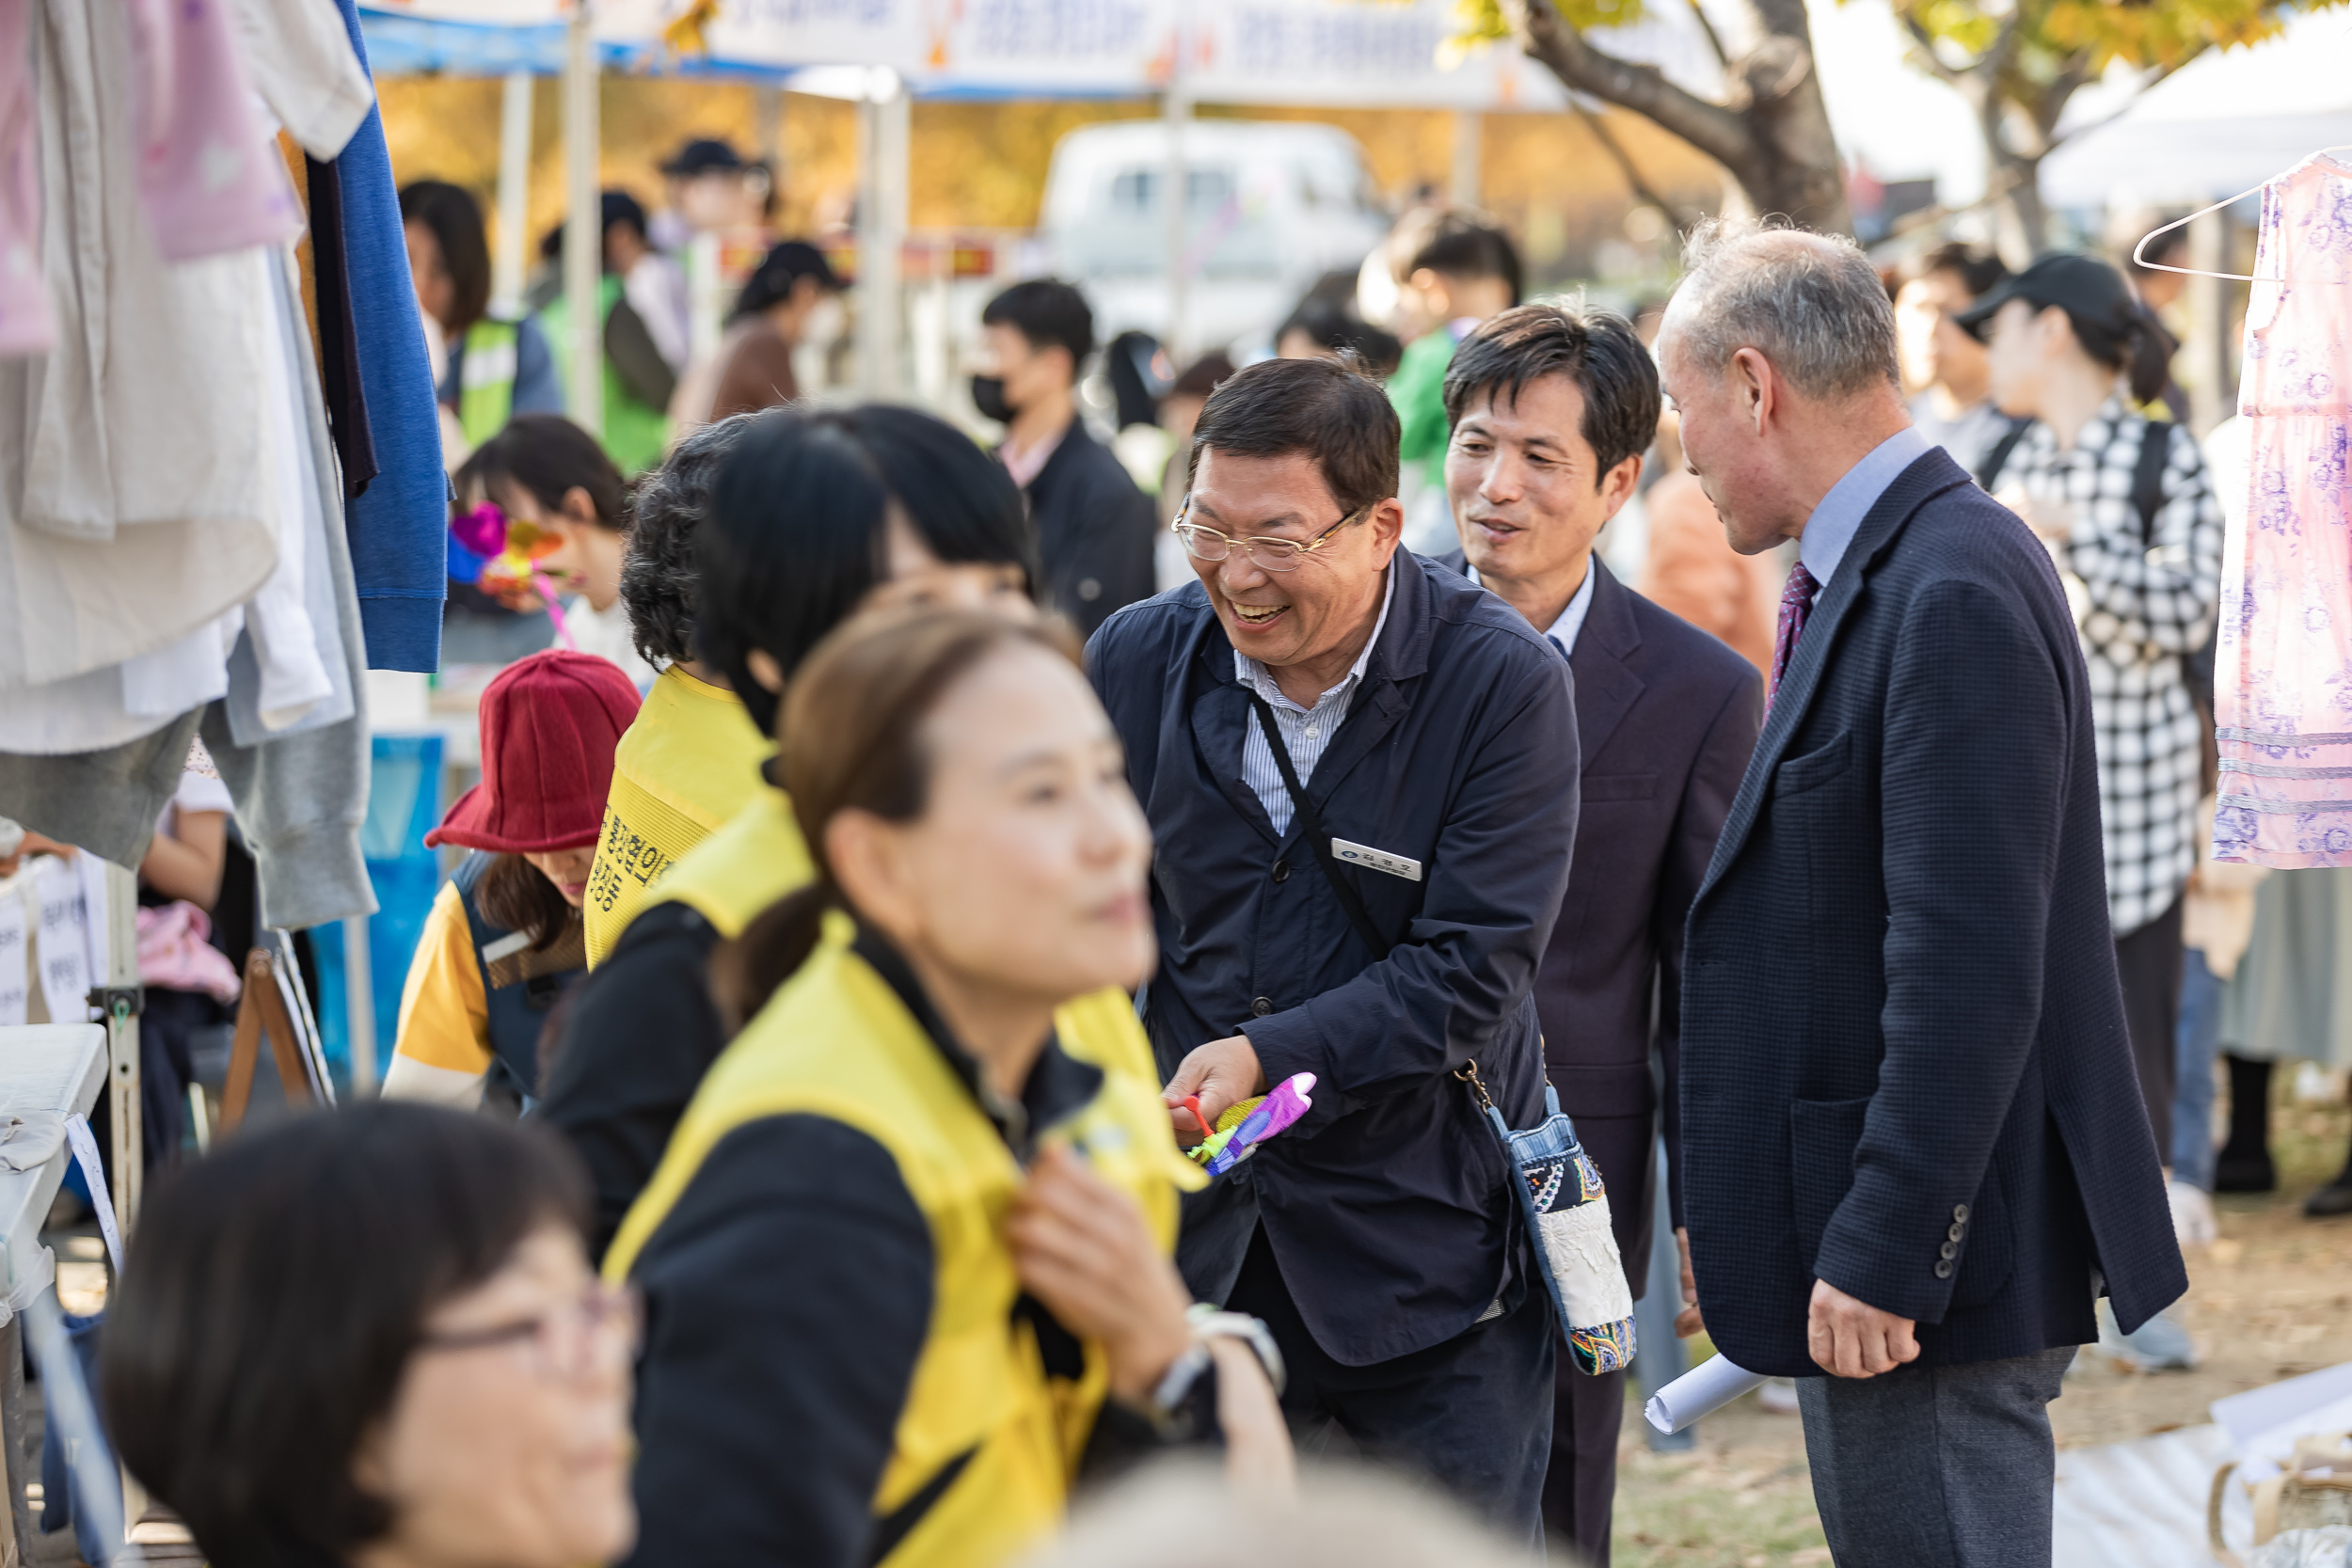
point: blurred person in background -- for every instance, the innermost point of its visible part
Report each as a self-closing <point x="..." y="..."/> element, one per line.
<point x="189" y="982"/>
<point x="370" y="1339"/>
<point x="1453" y="271"/>
<point x="811" y="517"/>
<point x="692" y="757"/>
<point x="906" y="1262"/>
<point x="1943" y="364"/>
<point x="1434" y="729"/>
<point x="1691" y="568"/>
<point x="2127" y="511"/>
<point x="502" y="942"/>
<point x="497" y="368"/>
<point x="1095" y="526"/>
<point x="794" y="297"/>
<point x="1321" y="329"/>
<point x="1552" y="408"/>
<point x="1136" y="374"/>
<point x="709" y="187"/>
<point x="1171" y="567"/>
<point x="551" y="477"/>
<point x="639" y="378"/>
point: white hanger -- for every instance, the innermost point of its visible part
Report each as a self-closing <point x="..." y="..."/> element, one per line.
<point x="2139" y="257"/>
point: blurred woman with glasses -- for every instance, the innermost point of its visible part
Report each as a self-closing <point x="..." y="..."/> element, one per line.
<point x="370" y="1339"/>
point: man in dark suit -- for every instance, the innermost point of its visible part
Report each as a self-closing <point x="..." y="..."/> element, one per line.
<point x="1550" y="410"/>
<point x="1094" y="529"/>
<point x="1422" y="724"/>
<point x="1913" y="1145"/>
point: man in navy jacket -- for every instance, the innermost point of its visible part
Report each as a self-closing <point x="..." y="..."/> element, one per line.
<point x="1914" y="1150"/>
<point x="1425" y="722"/>
<point x="1550" y="408"/>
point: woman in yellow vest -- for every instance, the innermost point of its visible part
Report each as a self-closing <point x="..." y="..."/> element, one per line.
<point x="906" y="1264"/>
<point x="693" y="757"/>
<point x="807" y="517"/>
<point x="498" y="365"/>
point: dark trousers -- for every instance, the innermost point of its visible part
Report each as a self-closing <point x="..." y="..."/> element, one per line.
<point x="2149" y="962"/>
<point x="1580" y="1484"/>
<point x="1473" y="1414"/>
<point x="1936" y="1467"/>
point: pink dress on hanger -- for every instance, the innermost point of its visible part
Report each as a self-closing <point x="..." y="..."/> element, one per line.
<point x="2283" y="662"/>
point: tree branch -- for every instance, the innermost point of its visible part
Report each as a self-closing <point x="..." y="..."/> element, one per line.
<point x="1714" y="129"/>
<point x="1676" y="218"/>
<point x="1926" y="40"/>
<point x="2158" y="74"/>
<point x="1714" y="39"/>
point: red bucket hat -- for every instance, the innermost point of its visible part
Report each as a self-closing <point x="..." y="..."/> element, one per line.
<point x="549" y="724"/>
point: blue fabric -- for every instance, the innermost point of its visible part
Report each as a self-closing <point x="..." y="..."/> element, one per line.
<point x="1839" y="514"/>
<point x="1904" y="1064"/>
<point x="1387" y="1204"/>
<point x="396" y="525"/>
<point x="2193" y="1152"/>
<point x="537" y="387"/>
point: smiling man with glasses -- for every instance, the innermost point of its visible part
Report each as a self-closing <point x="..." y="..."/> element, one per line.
<point x="1367" y="903"/>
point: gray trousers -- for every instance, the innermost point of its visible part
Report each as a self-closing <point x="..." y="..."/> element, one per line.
<point x="1936" y="1467"/>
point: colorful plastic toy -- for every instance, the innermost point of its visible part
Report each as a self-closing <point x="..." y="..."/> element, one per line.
<point x="1248" y="1123"/>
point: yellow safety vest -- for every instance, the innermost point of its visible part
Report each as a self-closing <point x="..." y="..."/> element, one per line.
<point x="686" y="765"/>
<point x="836" y="1041"/>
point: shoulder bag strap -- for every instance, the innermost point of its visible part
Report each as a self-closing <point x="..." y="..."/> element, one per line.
<point x="2156" y="449"/>
<point x="1989" y="471"/>
<point x="1317" y="836"/>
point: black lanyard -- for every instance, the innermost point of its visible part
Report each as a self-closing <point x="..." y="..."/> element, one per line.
<point x="1317" y="838"/>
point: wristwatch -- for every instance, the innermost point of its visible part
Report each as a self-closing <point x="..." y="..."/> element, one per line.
<point x="1206" y="1323"/>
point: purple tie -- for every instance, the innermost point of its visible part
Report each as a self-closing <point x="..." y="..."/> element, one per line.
<point x="1796" y="602"/>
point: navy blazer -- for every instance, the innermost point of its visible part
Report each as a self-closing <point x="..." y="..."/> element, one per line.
<point x="1666" y="717"/>
<point x="1387" y="1206"/>
<point x="1905" y="1065"/>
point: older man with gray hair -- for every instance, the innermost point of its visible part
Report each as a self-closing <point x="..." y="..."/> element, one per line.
<point x="1914" y="1150"/>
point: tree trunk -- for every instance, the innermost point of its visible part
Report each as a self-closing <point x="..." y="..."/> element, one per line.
<point x="1771" y="133"/>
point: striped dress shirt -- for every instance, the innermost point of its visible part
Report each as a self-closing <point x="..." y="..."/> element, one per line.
<point x="1305" y="731"/>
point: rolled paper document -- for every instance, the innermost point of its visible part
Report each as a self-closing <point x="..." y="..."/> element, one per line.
<point x="1700" y="1391"/>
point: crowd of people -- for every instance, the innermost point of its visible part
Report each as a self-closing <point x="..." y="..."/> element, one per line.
<point x="920" y="848"/>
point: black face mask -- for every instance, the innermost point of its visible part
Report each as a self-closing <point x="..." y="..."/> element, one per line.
<point x="988" y="396"/>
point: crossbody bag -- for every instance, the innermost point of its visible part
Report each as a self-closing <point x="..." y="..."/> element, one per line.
<point x="1560" y="1196"/>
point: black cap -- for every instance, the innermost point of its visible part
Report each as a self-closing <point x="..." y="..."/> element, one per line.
<point x="2085" y="287"/>
<point x="703" y="156"/>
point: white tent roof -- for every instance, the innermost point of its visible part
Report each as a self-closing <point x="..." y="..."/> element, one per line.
<point x="2218" y="126"/>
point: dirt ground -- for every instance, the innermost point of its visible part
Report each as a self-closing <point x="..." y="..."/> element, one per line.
<point x="2272" y="1299"/>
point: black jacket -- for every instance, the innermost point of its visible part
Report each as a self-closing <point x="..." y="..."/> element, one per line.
<point x="1386" y="1205"/>
<point x="1666" y="717"/>
<point x="1905" y="1065"/>
<point x="1094" y="531"/>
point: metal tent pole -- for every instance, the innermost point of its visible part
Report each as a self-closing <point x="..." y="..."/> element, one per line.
<point x="1469" y="154"/>
<point x="514" y="248"/>
<point x="1176" y="109"/>
<point x="583" y="225"/>
<point x="884" y="128"/>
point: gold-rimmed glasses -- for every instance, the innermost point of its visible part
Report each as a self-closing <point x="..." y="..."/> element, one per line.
<point x="1203" y="543"/>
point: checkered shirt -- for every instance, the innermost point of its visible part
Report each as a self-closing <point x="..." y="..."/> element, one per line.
<point x="2139" y="609"/>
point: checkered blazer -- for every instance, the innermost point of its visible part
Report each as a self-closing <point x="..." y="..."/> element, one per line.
<point x="2139" y="607"/>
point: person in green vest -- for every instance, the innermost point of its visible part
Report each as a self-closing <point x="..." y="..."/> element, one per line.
<point x="497" y="367"/>
<point x="1453" y="272"/>
<point x="639" y="379"/>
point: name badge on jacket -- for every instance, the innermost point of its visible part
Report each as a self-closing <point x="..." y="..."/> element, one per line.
<point x="1377" y="860"/>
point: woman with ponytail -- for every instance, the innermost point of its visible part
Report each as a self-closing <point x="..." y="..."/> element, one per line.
<point x="907" y="1261"/>
<point x="2127" y="509"/>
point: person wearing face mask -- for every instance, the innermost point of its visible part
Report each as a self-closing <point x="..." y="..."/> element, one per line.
<point x="502" y="940"/>
<point x="1095" y="526"/>
<point x="793" y="298"/>
<point x="906" y="1264"/>
<point x="370" y="1338"/>
<point x="810" y="517"/>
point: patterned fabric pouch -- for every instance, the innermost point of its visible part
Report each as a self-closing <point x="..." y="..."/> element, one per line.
<point x="1567" y="1211"/>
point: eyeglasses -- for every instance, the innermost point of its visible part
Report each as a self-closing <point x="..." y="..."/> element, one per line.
<point x="1203" y="543"/>
<point x="565" y="1340"/>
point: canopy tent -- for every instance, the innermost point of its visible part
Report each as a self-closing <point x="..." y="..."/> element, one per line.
<point x="1326" y="54"/>
<point x="2220" y="125"/>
